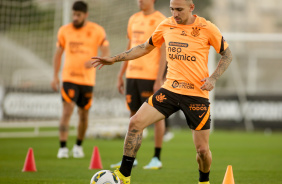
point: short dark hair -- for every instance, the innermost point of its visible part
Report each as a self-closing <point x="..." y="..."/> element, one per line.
<point x="80" y="6"/>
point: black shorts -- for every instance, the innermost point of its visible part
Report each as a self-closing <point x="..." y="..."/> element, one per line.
<point x="195" y="109"/>
<point x="80" y="94"/>
<point x="137" y="91"/>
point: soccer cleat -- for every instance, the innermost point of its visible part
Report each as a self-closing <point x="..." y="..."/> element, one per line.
<point x="117" y="165"/>
<point x="155" y="163"/>
<point x="77" y="151"/>
<point x="123" y="179"/>
<point x="63" y="153"/>
<point x="204" y="182"/>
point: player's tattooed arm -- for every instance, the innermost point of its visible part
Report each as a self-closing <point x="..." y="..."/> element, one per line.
<point x="224" y="62"/>
<point x="132" y="53"/>
<point x="132" y="143"/>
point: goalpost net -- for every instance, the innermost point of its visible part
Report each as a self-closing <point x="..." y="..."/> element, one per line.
<point x="28" y="31"/>
<point x="247" y="95"/>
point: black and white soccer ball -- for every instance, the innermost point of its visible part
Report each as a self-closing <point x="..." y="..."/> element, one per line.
<point x="105" y="177"/>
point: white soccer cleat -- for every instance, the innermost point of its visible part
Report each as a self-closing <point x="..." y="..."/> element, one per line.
<point x="154" y="164"/>
<point x="77" y="151"/>
<point x="63" y="153"/>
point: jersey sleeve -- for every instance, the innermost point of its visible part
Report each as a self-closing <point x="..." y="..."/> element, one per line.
<point x="61" y="38"/>
<point x="129" y="25"/>
<point x="216" y="39"/>
<point x="102" y="38"/>
<point x="157" y="38"/>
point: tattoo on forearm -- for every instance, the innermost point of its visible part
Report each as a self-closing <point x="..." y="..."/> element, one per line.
<point x="132" y="142"/>
<point x="123" y="56"/>
<point x="223" y="63"/>
<point x="63" y="128"/>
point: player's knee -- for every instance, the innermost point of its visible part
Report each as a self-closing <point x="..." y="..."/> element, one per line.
<point x="67" y="113"/>
<point x="202" y="151"/>
<point x="135" y="123"/>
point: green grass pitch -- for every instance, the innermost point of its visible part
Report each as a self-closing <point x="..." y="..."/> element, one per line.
<point x="256" y="158"/>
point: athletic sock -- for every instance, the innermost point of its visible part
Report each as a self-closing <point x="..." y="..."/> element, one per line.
<point x="126" y="165"/>
<point x="63" y="144"/>
<point x="78" y="142"/>
<point x="158" y="153"/>
<point x="204" y="176"/>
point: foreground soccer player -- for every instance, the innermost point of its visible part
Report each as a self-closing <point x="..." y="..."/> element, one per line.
<point x="188" y="39"/>
<point x="80" y="40"/>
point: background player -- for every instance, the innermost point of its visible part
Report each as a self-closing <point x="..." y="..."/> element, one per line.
<point x="80" y="40"/>
<point x="144" y="76"/>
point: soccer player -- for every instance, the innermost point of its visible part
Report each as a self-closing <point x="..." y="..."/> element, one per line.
<point x="80" y="40"/>
<point x="188" y="39"/>
<point x="144" y="75"/>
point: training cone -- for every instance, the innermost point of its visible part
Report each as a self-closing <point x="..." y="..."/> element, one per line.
<point x="29" y="164"/>
<point x="95" y="162"/>
<point x="228" y="178"/>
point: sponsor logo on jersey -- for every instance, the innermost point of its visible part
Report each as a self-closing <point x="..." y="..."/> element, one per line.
<point x="174" y="52"/>
<point x="198" y="107"/>
<point x="183" y="33"/>
<point x="183" y="85"/>
<point x="75" y="47"/>
<point x="178" y="44"/>
<point x="195" y="32"/>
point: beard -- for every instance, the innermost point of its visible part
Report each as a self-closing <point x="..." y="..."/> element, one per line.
<point x="78" y="25"/>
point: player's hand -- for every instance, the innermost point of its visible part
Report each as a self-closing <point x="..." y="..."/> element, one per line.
<point x="120" y="85"/>
<point x="101" y="61"/>
<point x="55" y="84"/>
<point x="208" y="85"/>
<point x="157" y="85"/>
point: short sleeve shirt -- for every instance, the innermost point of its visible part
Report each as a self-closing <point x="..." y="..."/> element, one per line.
<point x="140" y="28"/>
<point x="79" y="46"/>
<point x="187" y="50"/>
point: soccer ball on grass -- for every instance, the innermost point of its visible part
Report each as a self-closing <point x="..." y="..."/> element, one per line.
<point x="104" y="177"/>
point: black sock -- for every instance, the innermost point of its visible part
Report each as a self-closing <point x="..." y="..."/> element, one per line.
<point x="63" y="144"/>
<point x="126" y="165"/>
<point x="204" y="176"/>
<point x="158" y="153"/>
<point x="78" y="142"/>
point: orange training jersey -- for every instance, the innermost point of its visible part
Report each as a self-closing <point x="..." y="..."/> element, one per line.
<point x="187" y="50"/>
<point x="140" y="28"/>
<point x="79" y="46"/>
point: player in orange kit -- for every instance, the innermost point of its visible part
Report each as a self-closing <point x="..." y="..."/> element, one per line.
<point x="79" y="40"/>
<point x="188" y="39"/>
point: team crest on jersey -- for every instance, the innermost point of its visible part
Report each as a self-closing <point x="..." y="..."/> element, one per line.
<point x="195" y="32"/>
<point x="160" y="98"/>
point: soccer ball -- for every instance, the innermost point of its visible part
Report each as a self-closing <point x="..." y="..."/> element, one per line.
<point x="104" y="177"/>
